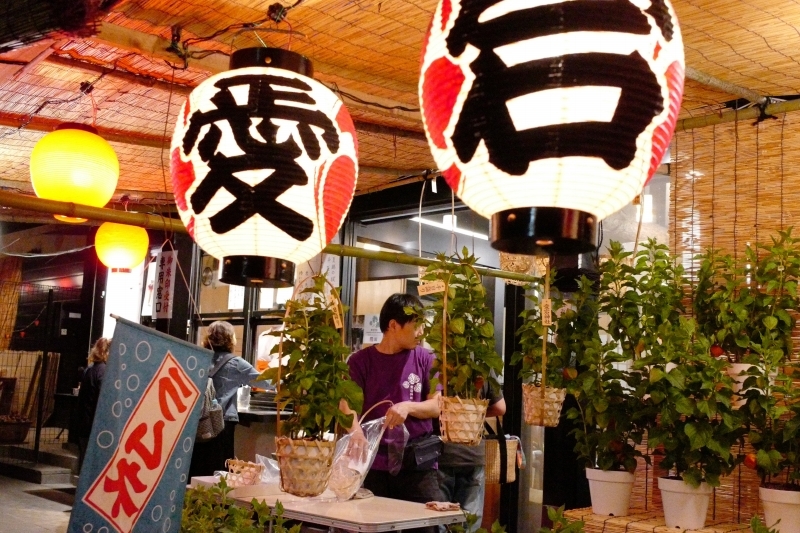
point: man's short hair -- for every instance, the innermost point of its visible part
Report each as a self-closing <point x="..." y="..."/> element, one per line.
<point x="394" y="309"/>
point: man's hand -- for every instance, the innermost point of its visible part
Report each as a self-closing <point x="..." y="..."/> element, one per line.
<point x="358" y="447"/>
<point x="397" y="414"/>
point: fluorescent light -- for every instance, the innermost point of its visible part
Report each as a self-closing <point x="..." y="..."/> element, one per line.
<point x="372" y="247"/>
<point x="450" y="228"/>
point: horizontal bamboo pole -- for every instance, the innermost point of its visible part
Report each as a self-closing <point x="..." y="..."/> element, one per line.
<point x="733" y="116"/>
<point x="159" y="223"/>
<point x="725" y="86"/>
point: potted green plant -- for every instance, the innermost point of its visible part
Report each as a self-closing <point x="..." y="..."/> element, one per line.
<point x="461" y="334"/>
<point x="696" y="426"/>
<point x="732" y="299"/>
<point x="314" y="378"/>
<point x="772" y="414"/>
<point x="546" y="365"/>
<point x="638" y="300"/>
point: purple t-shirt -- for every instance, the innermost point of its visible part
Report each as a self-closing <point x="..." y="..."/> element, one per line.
<point x="399" y="377"/>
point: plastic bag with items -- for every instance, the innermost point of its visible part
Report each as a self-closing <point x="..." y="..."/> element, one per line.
<point x="271" y="472"/>
<point x="349" y="469"/>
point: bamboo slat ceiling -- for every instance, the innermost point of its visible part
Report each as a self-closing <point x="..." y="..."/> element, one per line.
<point x="370" y="49"/>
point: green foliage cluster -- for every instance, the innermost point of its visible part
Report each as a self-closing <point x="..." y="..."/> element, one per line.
<point x="315" y="378"/>
<point x="733" y="299"/>
<point x="562" y="524"/>
<point x="469" y="336"/>
<point x="692" y="393"/>
<point x="772" y="414"/>
<point x="757" y="526"/>
<point x="207" y="510"/>
<point x="470" y="520"/>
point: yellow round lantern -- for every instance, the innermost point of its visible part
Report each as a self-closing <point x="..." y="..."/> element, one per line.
<point x="74" y="164"/>
<point x="120" y="245"/>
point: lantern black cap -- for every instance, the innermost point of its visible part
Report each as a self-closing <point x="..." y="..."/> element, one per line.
<point x="272" y="57"/>
<point x="544" y="230"/>
<point x="266" y="272"/>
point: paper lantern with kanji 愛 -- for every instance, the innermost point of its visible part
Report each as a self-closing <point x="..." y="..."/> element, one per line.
<point x="549" y="116"/>
<point x="264" y="166"/>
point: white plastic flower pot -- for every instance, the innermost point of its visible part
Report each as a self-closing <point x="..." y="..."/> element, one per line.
<point x="685" y="507"/>
<point x="783" y="505"/>
<point x="611" y="491"/>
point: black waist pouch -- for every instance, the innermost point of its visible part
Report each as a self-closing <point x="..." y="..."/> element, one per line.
<point x="422" y="453"/>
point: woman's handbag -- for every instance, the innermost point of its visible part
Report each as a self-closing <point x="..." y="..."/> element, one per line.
<point x="501" y="455"/>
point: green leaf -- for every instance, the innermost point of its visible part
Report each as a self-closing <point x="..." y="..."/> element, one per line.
<point x="685" y="406"/>
<point x="600" y="404"/>
<point x="770" y="322"/>
<point x="656" y="375"/>
<point x="457" y="326"/>
<point x="699" y="434"/>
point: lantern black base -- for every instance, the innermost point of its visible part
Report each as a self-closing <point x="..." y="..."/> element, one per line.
<point x="272" y="57"/>
<point x="266" y="272"/>
<point x="544" y="230"/>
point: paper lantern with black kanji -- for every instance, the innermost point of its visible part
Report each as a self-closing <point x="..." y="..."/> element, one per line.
<point x="74" y="164"/>
<point x="120" y="245"/>
<point x="264" y="165"/>
<point x="549" y="116"/>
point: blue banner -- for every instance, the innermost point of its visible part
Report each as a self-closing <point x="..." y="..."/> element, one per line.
<point x="137" y="462"/>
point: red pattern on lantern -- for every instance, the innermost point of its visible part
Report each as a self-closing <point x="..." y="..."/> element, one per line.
<point x="337" y="194"/>
<point x="447" y="8"/>
<point x="440" y="88"/>
<point x="182" y="178"/>
<point x="185" y="112"/>
<point x="663" y="134"/>
<point x="345" y="123"/>
<point x="452" y="176"/>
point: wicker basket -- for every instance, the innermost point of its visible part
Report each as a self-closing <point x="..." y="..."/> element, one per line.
<point x="241" y="473"/>
<point x="542" y="411"/>
<point x="14" y="432"/>
<point x="461" y="421"/>
<point x="305" y="465"/>
<point x="493" y="463"/>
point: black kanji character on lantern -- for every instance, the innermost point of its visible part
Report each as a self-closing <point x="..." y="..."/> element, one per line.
<point x="485" y="115"/>
<point x="262" y="104"/>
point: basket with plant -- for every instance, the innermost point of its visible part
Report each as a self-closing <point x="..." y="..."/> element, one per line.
<point x="461" y="334"/>
<point x="313" y="376"/>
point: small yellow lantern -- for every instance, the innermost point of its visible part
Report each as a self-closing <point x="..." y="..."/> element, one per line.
<point x="120" y="245"/>
<point x="74" y="164"/>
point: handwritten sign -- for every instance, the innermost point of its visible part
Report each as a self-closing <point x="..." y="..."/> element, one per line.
<point x="547" y="312"/>
<point x="166" y="264"/>
<point x="135" y="473"/>
<point x="431" y="288"/>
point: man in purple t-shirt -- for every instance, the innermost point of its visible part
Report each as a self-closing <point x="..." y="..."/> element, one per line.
<point x="398" y="369"/>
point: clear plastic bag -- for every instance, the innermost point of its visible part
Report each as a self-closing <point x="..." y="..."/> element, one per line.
<point x="349" y="471"/>
<point x="271" y="472"/>
<point x="396" y="441"/>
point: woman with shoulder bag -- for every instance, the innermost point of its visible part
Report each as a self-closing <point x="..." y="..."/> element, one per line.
<point x="233" y="372"/>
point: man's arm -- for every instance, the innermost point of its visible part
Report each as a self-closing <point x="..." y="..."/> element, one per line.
<point x="496" y="409"/>
<point x="397" y="414"/>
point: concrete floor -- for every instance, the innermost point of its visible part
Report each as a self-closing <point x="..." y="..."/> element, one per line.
<point x="27" y="513"/>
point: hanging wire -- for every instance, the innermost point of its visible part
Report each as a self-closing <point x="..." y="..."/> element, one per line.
<point x="453" y="238"/>
<point x="783" y="124"/>
<point x="735" y="183"/>
<point x="713" y="183"/>
<point x="168" y="233"/>
<point x="419" y="221"/>
<point x="758" y="129"/>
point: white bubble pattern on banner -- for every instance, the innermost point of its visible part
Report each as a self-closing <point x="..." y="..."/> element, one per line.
<point x="202" y="372"/>
<point x="172" y="510"/>
<point x="128" y="402"/>
<point x="87" y="528"/>
<point x="118" y="384"/>
<point x="122" y="349"/>
<point x="172" y="495"/>
<point x="167" y="523"/>
<point x="156" y="513"/>
<point x="187" y="444"/>
<point x="133" y="378"/>
<point x="191" y="363"/>
<point x="178" y="462"/>
<point x="116" y="409"/>
<point x="103" y="529"/>
<point x="103" y="435"/>
<point x="123" y="366"/>
<point x="140" y="351"/>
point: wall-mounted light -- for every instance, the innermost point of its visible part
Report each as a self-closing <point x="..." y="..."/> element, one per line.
<point x="449" y="224"/>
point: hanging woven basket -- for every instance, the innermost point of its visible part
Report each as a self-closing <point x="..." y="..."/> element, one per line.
<point x="542" y="407"/>
<point x="305" y="465"/>
<point x="461" y="421"/>
<point x="523" y="264"/>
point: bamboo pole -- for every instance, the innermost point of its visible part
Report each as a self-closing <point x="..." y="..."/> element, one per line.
<point x="160" y="223"/>
<point x="725" y="86"/>
<point x="750" y="113"/>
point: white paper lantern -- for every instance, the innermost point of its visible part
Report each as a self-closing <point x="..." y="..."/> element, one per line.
<point x="264" y="166"/>
<point x="548" y="116"/>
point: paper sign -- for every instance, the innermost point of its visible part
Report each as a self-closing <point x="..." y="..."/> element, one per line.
<point x="372" y="329"/>
<point x="432" y="287"/>
<point x="547" y="312"/>
<point x="166" y="264"/>
<point x="337" y="319"/>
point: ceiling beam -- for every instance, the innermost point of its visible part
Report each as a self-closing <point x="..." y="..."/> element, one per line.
<point x="725" y="86"/>
<point x="156" y="46"/>
<point x="750" y="113"/>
